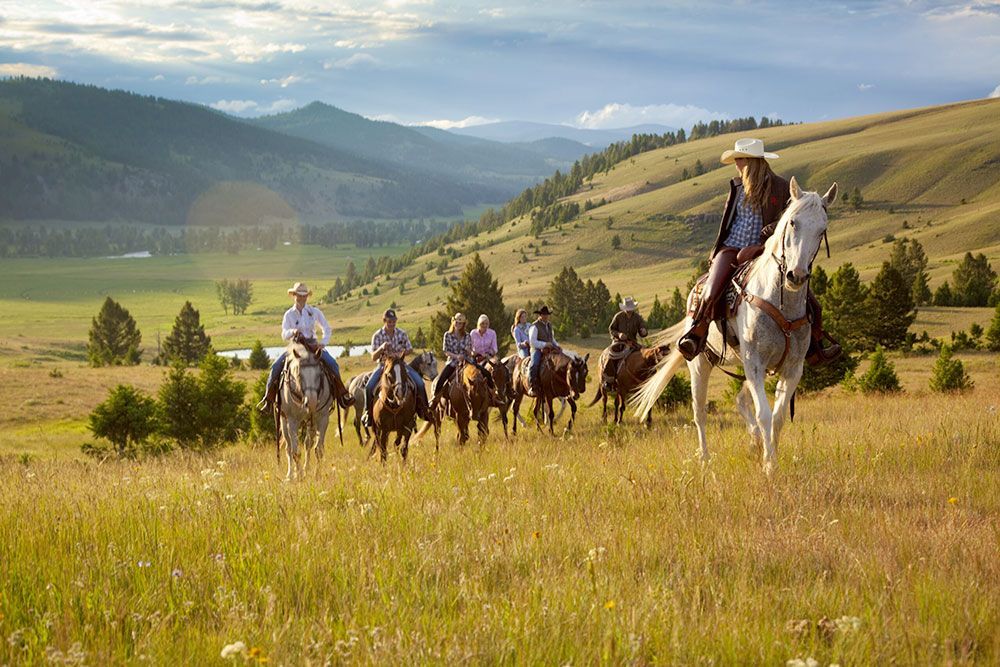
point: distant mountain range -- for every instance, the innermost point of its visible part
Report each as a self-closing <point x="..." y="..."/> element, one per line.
<point x="508" y="166"/>
<point x="79" y="152"/>
<point x="522" y="131"/>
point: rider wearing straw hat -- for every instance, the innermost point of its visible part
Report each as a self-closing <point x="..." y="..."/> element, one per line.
<point x="300" y="322"/>
<point x="757" y="198"/>
<point x="626" y="328"/>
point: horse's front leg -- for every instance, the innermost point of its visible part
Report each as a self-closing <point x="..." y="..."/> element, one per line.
<point x="291" y="438"/>
<point x="483" y="425"/>
<point x="700" y="369"/>
<point x="755" y="372"/>
<point x="322" y="424"/>
<point x="782" y="399"/>
<point x="516" y="410"/>
<point x="572" y="415"/>
<point x="550" y="407"/>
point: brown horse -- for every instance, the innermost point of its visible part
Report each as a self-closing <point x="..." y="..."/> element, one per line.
<point x="395" y="409"/>
<point x="562" y="376"/>
<point x="633" y="370"/>
<point x="467" y="399"/>
<point x="501" y="374"/>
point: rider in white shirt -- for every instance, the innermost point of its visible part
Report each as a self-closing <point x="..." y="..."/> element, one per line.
<point x="302" y="319"/>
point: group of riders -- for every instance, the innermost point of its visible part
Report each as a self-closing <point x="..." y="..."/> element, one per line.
<point x="757" y="198"/>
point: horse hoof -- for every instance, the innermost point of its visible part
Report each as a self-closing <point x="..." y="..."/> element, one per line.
<point x="770" y="468"/>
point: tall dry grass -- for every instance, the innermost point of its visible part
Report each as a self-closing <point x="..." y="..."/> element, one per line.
<point x="876" y="541"/>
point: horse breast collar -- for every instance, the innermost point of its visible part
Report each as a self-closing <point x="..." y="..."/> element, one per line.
<point x="787" y="326"/>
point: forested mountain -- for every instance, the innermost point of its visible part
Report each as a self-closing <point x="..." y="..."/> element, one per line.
<point x="510" y="166"/>
<point x="75" y="152"/>
<point x="526" y="131"/>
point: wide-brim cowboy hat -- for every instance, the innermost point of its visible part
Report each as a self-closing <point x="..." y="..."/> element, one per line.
<point x="300" y="289"/>
<point x="629" y="304"/>
<point x="747" y="148"/>
<point x="544" y="310"/>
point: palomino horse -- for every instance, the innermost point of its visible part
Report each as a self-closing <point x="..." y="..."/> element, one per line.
<point x="305" y="399"/>
<point x="395" y="408"/>
<point x="636" y="367"/>
<point x="769" y="328"/>
<point x="562" y="376"/>
<point x="424" y="363"/>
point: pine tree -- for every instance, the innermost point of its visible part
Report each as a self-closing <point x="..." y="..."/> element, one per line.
<point x="222" y="416"/>
<point x="187" y="342"/>
<point x="126" y="418"/>
<point x="599" y="309"/>
<point x="258" y="357"/>
<point x="419" y="339"/>
<point x="993" y="333"/>
<point x="880" y="378"/>
<point x="566" y="299"/>
<point x="616" y="242"/>
<point x="949" y="374"/>
<point x="920" y="290"/>
<point x="114" y="337"/>
<point x="819" y="281"/>
<point x="677" y="310"/>
<point x="657" y="317"/>
<point x="890" y="309"/>
<point x="178" y="404"/>
<point x="973" y="281"/>
<point x="943" y="295"/>
<point x="908" y="257"/>
<point x="475" y="293"/>
<point x="843" y="304"/>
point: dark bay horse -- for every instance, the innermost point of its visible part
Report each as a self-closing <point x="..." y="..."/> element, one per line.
<point x="638" y="366"/>
<point x="562" y="376"/>
<point x="395" y="408"/>
<point x="466" y="399"/>
<point x="424" y="363"/>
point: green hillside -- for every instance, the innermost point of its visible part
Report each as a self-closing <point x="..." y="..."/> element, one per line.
<point x="931" y="174"/>
<point x="508" y="168"/>
<point x="75" y="152"/>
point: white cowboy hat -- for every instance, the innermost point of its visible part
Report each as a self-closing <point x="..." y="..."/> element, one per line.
<point x="747" y="148"/>
<point x="482" y="318"/>
<point x="628" y="304"/>
<point x="299" y="288"/>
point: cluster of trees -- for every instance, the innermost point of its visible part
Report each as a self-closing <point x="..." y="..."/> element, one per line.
<point x="106" y="240"/>
<point x="190" y="411"/>
<point x="663" y="315"/>
<point x="701" y="129"/>
<point x="352" y="278"/>
<point x="973" y="283"/>
<point x="581" y="308"/>
<point x="114" y="338"/>
<point x="236" y="294"/>
<point x="556" y="214"/>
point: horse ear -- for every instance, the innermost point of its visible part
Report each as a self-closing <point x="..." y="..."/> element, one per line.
<point x="831" y="194"/>
<point x="586" y="357"/>
<point x="794" y="189"/>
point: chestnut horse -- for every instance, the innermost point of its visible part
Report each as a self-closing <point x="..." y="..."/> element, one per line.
<point x="395" y="409"/>
<point x="638" y="366"/>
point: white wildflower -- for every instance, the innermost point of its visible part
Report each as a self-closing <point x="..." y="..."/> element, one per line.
<point x="848" y="623"/>
<point x="231" y="651"/>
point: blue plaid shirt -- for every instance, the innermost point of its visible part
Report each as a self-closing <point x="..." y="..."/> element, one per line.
<point x="746" y="226"/>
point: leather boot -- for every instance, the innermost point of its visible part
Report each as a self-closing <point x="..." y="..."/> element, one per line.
<point x="270" y="396"/>
<point x="366" y="417"/>
<point x="817" y="355"/>
<point x="692" y="342"/>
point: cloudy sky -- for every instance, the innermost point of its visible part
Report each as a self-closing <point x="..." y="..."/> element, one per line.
<point x="590" y="63"/>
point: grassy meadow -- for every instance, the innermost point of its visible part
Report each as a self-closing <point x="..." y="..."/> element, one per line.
<point x="875" y="542"/>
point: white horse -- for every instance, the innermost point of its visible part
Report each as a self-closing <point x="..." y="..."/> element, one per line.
<point x="770" y="326"/>
<point x="305" y="399"/>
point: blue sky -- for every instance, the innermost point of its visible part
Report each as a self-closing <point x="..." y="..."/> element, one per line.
<point x="588" y="64"/>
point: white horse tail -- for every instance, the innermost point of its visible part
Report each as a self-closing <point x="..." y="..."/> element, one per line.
<point x="644" y="398"/>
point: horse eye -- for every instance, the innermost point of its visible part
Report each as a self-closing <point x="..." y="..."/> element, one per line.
<point x="791" y="224"/>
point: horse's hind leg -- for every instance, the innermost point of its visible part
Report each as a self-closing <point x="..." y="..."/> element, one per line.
<point x="291" y="438"/>
<point x="700" y="369"/>
<point x="782" y="398"/>
<point x="572" y="416"/>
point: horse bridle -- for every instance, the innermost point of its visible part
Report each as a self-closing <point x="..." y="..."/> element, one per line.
<point x="783" y="263"/>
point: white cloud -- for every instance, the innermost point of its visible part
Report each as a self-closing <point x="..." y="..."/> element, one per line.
<point x="865" y="87"/>
<point x="234" y="106"/>
<point x="352" y="61"/>
<point x="493" y="12"/>
<point x="27" y="69"/>
<point x="468" y="121"/>
<point x="158" y="77"/>
<point x="203" y="81"/>
<point x="284" y="82"/>
<point x="278" y="106"/>
<point x="995" y="94"/>
<point x="248" y="51"/>
<point x="625" y="115"/>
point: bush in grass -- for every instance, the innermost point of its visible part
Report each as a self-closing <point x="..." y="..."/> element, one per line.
<point x="880" y="378"/>
<point x="678" y="392"/>
<point x="203" y="412"/>
<point x="258" y="360"/>
<point x="127" y="418"/>
<point x="949" y="374"/>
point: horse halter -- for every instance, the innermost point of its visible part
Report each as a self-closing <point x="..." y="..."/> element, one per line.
<point x="783" y="263"/>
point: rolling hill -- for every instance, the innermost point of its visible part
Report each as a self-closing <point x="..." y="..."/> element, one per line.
<point x="515" y="131"/>
<point x="75" y="152"/>
<point x="511" y="167"/>
<point x="931" y="174"/>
